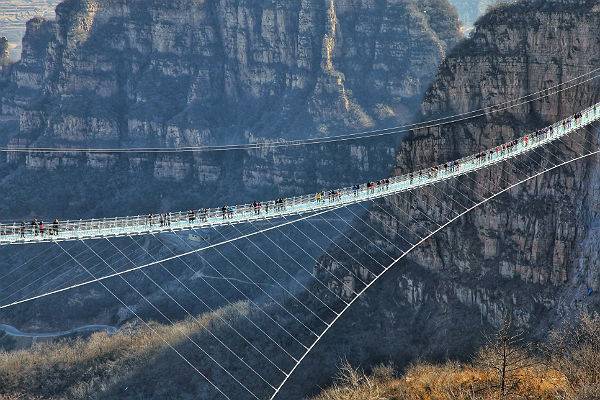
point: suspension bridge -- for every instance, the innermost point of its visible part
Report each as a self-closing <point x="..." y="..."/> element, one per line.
<point x="305" y="269"/>
<point x="285" y="207"/>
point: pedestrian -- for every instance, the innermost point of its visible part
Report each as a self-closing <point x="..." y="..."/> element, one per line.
<point x="22" y="230"/>
<point x="42" y="227"/>
<point x="55" y="225"/>
<point x="256" y="207"/>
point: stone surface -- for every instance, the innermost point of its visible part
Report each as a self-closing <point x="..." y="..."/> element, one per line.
<point x="15" y="13"/>
<point x="533" y="235"/>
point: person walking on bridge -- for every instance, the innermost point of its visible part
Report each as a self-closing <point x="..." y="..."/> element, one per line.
<point x="55" y="225"/>
<point x="22" y="230"/>
<point x="256" y="206"/>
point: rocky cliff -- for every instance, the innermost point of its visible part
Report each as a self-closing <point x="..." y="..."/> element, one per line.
<point x="534" y="251"/>
<point x="533" y="239"/>
<point x="185" y="73"/>
<point x="4" y="53"/>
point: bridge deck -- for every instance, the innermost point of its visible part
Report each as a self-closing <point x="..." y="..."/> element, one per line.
<point x="141" y="225"/>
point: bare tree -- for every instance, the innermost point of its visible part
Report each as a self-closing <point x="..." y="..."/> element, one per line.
<point x="506" y="354"/>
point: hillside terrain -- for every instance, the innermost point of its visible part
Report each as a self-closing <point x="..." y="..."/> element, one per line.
<point x="558" y="372"/>
<point x="105" y="367"/>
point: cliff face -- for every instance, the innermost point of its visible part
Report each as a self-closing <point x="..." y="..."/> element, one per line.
<point x="538" y="237"/>
<point x="4" y="53"/>
<point x="164" y="73"/>
<point x="532" y="252"/>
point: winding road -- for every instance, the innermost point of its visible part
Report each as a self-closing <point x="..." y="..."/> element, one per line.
<point x="12" y="331"/>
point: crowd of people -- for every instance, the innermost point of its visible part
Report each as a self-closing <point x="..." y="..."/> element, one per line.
<point x="39" y="228"/>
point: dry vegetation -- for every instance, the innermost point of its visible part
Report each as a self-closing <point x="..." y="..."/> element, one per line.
<point x="565" y="369"/>
<point x="568" y="368"/>
<point x="450" y="381"/>
<point x="74" y="369"/>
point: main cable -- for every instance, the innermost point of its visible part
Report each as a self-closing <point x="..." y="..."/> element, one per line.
<point x="493" y="109"/>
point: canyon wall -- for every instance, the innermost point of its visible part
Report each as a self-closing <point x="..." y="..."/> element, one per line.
<point x="528" y="245"/>
<point x="532" y="252"/>
<point x="133" y="73"/>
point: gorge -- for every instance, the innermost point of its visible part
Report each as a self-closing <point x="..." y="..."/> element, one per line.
<point x="141" y="73"/>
